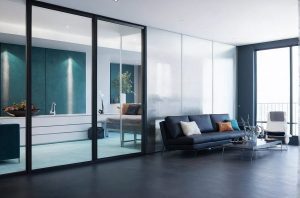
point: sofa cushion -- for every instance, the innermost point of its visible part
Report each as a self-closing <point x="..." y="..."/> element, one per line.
<point x="215" y="118"/>
<point x="206" y="137"/>
<point x="173" y="125"/>
<point x="203" y="122"/>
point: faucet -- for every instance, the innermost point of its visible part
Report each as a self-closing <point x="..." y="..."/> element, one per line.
<point x="52" y="110"/>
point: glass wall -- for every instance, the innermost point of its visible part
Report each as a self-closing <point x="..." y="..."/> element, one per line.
<point x="12" y="86"/>
<point x="196" y="76"/>
<point x="224" y="63"/>
<point x="61" y="88"/>
<point x="119" y="85"/>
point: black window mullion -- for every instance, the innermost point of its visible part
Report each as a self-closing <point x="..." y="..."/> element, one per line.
<point x="291" y="91"/>
<point x="28" y="124"/>
<point x="94" y="89"/>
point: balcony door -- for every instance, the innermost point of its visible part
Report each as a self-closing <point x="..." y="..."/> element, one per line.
<point x="278" y="85"/>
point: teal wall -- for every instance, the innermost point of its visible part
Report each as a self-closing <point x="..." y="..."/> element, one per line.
<point x="49" y="78"/>
<point x="13" y="58"/>
<point x="114" y="74"/>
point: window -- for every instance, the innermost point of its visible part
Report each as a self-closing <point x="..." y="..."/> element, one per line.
<point x="277" y="84"/>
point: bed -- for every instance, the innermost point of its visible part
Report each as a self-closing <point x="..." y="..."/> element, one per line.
<point x="130" y="120"/>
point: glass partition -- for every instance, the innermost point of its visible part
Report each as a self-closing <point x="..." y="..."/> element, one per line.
<point x="12" y="86"/>
<point x="61" y="88"/>
<point x="119" y="90"/>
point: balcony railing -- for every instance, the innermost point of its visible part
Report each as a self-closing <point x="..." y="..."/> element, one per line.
<point x="264" y="108"/>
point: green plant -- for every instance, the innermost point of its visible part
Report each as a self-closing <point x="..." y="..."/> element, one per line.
<point x="126" y="83"/>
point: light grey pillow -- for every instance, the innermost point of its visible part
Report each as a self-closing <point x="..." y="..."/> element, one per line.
<point x="190" y="128"/>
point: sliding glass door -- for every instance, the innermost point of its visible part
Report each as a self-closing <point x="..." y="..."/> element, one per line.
<point x="61" y="88"/>
<point x="47" y="60"/>
<point x="12" y="86"/>
<point x="277" y="84"/>
<point x="119" y="92"/>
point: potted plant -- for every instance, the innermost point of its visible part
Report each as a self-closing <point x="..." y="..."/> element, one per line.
<point x="126" y="85"/>
<point x="19" y="109"/>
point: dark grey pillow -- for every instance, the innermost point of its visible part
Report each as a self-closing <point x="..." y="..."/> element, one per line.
<point x="203" y="122"/>
<point x="132" y="109"/>
<point x="173" y="125"/>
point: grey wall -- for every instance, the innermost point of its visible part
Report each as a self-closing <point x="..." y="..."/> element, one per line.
<point x="246" y="75"/>
<point x="186" y="75"/>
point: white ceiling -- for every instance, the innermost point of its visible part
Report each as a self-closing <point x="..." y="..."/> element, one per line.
<point x="235" y="22"/>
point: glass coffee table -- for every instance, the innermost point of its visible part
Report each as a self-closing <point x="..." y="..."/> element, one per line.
<point x="253" y="146"/>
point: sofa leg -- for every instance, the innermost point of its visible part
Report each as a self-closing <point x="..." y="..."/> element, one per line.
<point x="163" y="150"/>
<point x="195" y="153"/>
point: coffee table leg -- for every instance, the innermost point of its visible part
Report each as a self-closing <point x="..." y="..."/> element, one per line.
<point x="223" y="151"/>
<point x="281" y="146"/>
<point x="252" y="155"/>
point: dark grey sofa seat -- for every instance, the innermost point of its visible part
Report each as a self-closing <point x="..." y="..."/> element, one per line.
<point x="209" y="137"/>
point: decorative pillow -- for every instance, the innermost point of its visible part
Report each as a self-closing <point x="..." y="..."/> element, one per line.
<point x="140" y="111"/>
<point x="189" y="128"/>
<point x="235" y="125"/>
<point x="132" y="109"/>
<point x="225" y="126"/>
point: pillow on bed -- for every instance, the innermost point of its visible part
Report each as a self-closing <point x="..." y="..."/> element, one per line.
<point x="132" y="109"/>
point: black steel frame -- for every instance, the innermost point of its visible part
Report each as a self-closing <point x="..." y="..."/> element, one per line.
<point x="290" y="46"/>
<point x="94" y="19"/>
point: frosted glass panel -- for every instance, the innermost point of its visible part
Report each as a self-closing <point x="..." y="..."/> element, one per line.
<point x="224" y="67"/>
<point x="196" y="76"/>
<point x="164" y="73"/>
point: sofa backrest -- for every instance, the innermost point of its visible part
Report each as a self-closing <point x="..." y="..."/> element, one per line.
<point x="203" y="121"/>
<point x="206" y="123"/>
<point x="173" y="125"/>
<point x="215" y="118"/>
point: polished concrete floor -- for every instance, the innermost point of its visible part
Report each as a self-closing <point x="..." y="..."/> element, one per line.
<point x="273" y="174"/>
<point x="55" y="154"/>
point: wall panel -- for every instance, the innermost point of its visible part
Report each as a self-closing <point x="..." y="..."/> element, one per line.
<point x="196" y="75"/>
<point x="224" y="77"/>
<point x="163" y="80"/>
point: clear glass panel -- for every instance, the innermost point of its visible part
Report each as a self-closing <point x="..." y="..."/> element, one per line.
<point x="119" y="52"/>
<point x="61" y="88"/>
<point x="273" y="82"/>
<point x="224" y="69"/>
<point x="12" y="86"/>
<point x="196" y="76"/>
<point x="296" y="85"/>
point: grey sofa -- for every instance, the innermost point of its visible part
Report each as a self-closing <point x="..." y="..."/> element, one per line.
<point x="174" y="139"/>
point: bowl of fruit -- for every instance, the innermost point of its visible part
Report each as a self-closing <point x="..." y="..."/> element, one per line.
<point x="19" y="109"/>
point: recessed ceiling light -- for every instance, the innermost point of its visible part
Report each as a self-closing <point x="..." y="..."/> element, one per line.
<point x="115" y="0"/>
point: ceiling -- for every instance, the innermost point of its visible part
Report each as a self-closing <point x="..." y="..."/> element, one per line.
<point x="237" y="22"/>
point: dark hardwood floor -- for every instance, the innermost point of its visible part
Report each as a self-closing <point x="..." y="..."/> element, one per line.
<point x="174" y="174"/>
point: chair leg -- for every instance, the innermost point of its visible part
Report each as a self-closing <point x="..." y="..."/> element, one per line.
<point x="135" y="136"/>
<point x="122" y="139"/>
